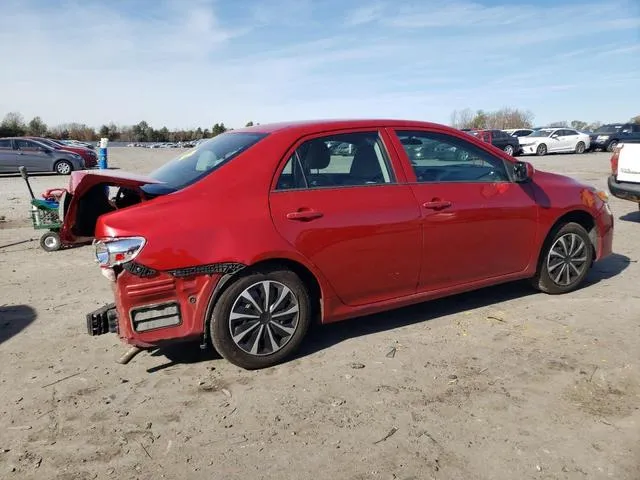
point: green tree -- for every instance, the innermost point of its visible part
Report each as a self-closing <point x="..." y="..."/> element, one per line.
<point x="37" y="127"/>
<point x="13" y="125"/>
<point x="249" y="124"/>
<point x="217" y="129"/>
<point x="636" y="119"/>
<point x="480" y="120"/>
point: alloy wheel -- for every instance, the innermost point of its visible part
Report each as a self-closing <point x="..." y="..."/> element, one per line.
<point x="264" y="317"/>
<point x="63" y="168"/>
<point x="508" y="150"/>
<point x="567" y="259"/>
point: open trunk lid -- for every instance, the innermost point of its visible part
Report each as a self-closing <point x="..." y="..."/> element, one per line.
<point x="87" y="198"/>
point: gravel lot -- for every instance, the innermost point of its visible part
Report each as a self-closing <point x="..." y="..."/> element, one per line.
<point x="503" y="383"/>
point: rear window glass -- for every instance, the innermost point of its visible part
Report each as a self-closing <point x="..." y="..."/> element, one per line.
<point x="202" y="160"/>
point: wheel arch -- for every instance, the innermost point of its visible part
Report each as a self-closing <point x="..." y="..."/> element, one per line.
<point x="309" y="278"/>
<point x="579" y="216"/>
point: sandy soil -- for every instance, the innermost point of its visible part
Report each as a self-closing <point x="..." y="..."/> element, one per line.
<point x="498" y="384"/>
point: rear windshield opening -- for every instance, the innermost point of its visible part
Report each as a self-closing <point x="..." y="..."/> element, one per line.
<point x="202" y="160"/>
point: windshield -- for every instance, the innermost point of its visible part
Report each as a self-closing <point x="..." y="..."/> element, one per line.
<point x="608" y="129"/>
<point x="540" y="133"/>
<point x="202" y="160"/>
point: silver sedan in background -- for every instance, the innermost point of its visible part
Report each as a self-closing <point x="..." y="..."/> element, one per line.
<point x="36" y="157"/>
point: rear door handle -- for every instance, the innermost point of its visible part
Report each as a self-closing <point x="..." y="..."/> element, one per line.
<point x="437" y="204"/>
<point x="304" y="215"/>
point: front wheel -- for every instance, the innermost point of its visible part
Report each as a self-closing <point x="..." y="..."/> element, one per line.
<point x="508" y="150"/>
<point x="612" y="145"/>
<point x="541" y="150"/>
<point x="63" y="167"/>
<point x="580" y="147"/>
<point x="261" y="319"/>
<point x="565" y="260"/>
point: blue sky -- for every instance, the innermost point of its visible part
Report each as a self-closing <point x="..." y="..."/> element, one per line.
<point x="186" y="63"/>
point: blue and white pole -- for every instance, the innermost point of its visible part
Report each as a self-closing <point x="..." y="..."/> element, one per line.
<point x="102" y="153"/>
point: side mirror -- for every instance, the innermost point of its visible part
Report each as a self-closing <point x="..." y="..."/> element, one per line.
<point x="523" y="172"/>
<point x="555" y="135"/>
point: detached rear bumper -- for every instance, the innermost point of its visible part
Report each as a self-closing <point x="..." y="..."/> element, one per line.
<point x="154" y="308"/>
<point x="624" y="190"/>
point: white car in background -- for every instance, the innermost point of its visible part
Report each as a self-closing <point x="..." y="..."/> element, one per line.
<point x="519" y="132"/>
<point x="554" y="140"/>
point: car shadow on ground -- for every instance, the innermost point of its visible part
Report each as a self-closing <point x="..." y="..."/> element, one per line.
<point x="14" y="319"/>
<point x="631" y="217"/>
<point x="326" y="336"/>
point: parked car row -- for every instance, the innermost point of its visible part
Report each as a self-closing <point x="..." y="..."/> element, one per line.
<point x="543" y="140"/>
<point x="44" y="155"/>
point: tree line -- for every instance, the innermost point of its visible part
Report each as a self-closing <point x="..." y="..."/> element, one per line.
<point x="14" y="125"/>
<point x="514" y="118"/>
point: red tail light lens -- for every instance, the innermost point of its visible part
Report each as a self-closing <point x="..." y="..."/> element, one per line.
<point x="614" y="160"/>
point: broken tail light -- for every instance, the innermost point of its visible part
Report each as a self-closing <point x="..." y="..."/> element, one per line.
<point x="116" y="251"/>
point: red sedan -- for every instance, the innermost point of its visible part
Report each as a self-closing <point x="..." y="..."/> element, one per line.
<point x="246" y="240"/>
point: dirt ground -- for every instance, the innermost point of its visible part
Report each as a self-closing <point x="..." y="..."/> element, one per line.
<point x="503" y="383"/>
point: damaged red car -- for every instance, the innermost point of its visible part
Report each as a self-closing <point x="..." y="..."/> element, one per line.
<point x="251" y="237"/>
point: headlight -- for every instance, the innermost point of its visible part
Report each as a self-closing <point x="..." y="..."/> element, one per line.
<point x="603" y="137"/>
<point x="112" y="252"/>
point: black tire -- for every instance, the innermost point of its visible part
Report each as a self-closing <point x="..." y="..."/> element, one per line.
<point x="50" y="242"/>
<point x="611" y="145"/>
<point x="509" y="150"/>
<point x="541" y="150"/>
<point x="543" y="280"/>
<point x="580" y="148"/>
<point x="220" y="323"/>
<point x="63" y="167"/>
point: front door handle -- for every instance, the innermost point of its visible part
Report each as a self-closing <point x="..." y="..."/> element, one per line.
<point x="437" y="204"/>
<point x="304" y="215"/>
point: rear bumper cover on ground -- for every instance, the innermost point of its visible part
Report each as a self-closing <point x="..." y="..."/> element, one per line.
<point x="624" y="190"/>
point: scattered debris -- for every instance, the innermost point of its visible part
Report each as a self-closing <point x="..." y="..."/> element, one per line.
<point x="539" y="468"/>
<point x="391" y="353"/>
<point x="337" y="403"/>
<point x="387" y="436"/>
<point x="453" y="377"/>
<point x="226" y="392"/>
<point x="21" y="427"/>
<point x="148" y="425"/>
<point x="64" y="378"/>
<point x="593" y="373"/>
<point x="493" y="317"/>
<point x="38" y="462"/>
<point x="145" y="450"/>
<point x="357" y="365"/>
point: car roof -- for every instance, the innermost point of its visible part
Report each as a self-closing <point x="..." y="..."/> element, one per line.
<point x="331" y="124"/>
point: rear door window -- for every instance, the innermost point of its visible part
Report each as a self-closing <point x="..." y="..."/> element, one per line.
<point x="340" y="160"/>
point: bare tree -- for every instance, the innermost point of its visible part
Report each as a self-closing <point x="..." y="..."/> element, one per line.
<point x="462" y="118"/>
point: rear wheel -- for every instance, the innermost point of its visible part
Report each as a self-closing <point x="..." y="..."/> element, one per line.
<point x="50" y="242"/>
<point x="508" y="149"/>
<point x="541" y="150"/>
<point x="612" y="144"/>
<point x="261" y="319"/>
<point x="580" y="147"/>
<point x="565" y="261"/>
<point x="63" y="167"/>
